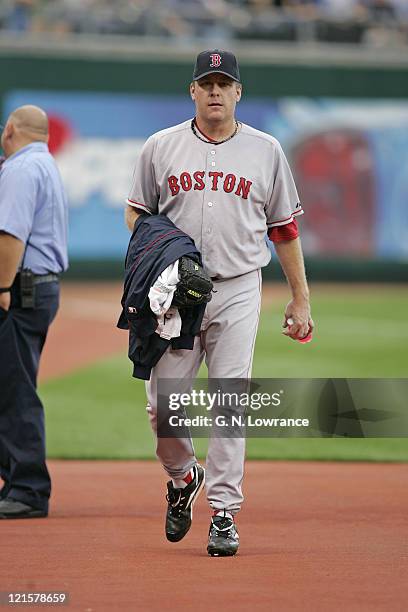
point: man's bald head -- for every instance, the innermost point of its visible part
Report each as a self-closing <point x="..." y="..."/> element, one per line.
<point x="25" y="125"/>
<point x="32" y="121"/>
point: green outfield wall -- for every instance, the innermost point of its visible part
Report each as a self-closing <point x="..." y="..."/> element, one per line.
<point x="147" y="75"/>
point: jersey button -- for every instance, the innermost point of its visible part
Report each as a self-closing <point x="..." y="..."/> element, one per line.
<point x="210" y="204"/>
<point x="213" y="163"/>
<point x="213" y="152"/>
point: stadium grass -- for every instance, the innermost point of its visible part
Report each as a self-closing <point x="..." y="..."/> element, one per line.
<point x="99" y="411"/>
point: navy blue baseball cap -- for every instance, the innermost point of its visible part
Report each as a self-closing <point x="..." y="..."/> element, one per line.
<point x="224" y="62"/>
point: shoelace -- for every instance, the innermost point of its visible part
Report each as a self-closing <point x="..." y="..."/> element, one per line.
<point x="175" y="498"/>
<point x="223" y="527"/>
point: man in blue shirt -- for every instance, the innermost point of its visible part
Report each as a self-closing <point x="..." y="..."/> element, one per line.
<point x="33" y="251"/>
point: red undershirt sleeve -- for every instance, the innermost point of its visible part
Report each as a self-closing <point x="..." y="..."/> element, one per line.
<point x="284" y="232"/>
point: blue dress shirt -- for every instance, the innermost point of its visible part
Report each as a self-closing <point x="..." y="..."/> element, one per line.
<point x="33" y="207"/>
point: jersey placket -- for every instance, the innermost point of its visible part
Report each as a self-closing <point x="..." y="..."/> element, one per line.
<point x="209" y="207"/>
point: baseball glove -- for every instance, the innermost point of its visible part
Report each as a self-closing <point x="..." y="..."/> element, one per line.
<point x="194" y="286"/>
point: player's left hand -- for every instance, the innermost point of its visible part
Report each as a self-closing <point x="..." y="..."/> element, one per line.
<point x="298" y="322"/>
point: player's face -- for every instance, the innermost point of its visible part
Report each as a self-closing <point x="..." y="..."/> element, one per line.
<point x="215" y="97"/>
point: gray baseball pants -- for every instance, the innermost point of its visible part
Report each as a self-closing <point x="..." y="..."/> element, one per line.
<point x="226" y="341"/>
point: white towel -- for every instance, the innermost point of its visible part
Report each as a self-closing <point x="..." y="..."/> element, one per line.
<point x="169" y="324"/>
<point x="161" y="293"/>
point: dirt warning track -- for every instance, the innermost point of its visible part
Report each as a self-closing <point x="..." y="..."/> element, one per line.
<point x="315" y="536"/>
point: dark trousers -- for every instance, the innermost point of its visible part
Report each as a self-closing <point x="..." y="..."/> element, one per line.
<point x="22" y="431"/>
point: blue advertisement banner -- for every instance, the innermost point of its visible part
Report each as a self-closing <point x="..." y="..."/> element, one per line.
<point x="349" y="158"/>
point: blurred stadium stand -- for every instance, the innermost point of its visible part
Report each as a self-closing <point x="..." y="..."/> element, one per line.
<point x="377" y="23"/>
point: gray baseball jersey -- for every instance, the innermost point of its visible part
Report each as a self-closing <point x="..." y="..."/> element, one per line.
<point x="224" y="196"/>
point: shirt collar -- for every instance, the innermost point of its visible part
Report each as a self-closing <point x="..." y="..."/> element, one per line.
<point x="33" y="146"/>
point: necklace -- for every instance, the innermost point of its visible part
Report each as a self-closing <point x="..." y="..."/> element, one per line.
<point x="213" y="142"/>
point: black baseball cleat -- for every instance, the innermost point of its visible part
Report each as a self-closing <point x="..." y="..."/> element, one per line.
<point x="13" y="509"/>
<point x="180" y="505"/>
<point x="223" y="538"/>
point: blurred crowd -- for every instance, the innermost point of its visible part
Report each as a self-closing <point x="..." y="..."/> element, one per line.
<point x="370" y="22"/>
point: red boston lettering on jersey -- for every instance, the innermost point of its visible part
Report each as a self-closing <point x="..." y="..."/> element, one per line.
<point x="185" y="181"/>
<point x="198" y="177"/>
<point x="229" y="183"/>
<point x="173" y="184"/>
<point x="215" y="176"/>
<point x="243" y="188"/>
<point x="196" y="180"/>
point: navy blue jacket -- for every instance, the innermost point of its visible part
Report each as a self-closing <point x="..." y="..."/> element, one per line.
<point x="155" y="244"/>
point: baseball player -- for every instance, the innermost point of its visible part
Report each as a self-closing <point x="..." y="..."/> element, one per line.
<point x="225" y="184"/>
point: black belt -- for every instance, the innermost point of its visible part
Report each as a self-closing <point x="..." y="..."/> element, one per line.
<point x="45" y="278"/>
